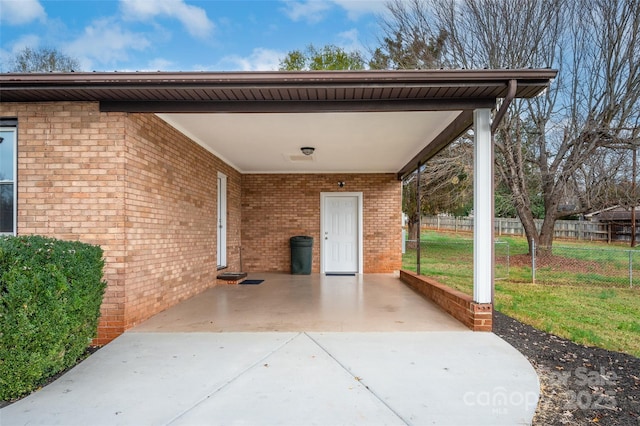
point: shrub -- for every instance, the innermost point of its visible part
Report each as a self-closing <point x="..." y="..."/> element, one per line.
<point x="50" y="297"/>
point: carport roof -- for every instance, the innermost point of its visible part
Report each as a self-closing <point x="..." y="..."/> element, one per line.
<point x="358" y="121"/>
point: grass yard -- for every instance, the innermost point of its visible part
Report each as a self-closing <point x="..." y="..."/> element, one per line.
<point x="582" y="295"/>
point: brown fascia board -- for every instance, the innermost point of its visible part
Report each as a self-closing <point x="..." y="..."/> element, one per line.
<point x="310" y="106"/>
<point x="538" y="79"/>
<point x="267" y="77"/>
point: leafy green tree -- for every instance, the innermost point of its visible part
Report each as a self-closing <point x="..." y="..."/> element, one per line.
<point x="329" y="57"/>
<point x="43" y="60"/>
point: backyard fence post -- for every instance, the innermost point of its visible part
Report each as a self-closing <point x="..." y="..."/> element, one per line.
<point x="580" y="230"/>
<point x="533" y="260"/>
<point x="630" y="268"/>
<point x="508" y="258"/>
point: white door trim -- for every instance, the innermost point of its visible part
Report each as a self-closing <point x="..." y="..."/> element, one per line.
<point x="221" y="222"/>
<point x="323" y="197"/>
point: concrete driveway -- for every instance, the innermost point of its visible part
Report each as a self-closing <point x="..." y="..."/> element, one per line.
<point x="374" y="357"/>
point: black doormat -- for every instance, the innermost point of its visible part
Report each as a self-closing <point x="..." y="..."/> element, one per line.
<point x="337" y="274"/>
<point x="252" y="282"/>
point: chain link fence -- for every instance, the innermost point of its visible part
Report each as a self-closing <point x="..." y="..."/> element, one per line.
<point x="450" y="261"/>
<point x="587" y="266"/>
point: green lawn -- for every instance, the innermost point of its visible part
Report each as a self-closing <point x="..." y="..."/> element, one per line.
<point x="583" y="295"/>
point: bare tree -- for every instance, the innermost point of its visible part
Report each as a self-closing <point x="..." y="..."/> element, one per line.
<point x="446" y="183"/>
<point x="410" y="39"/>
<point x="556" y="145"/>
<point x="597" y="108"/>
<point x="43" y="60"/>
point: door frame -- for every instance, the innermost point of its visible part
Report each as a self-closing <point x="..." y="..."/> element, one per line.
<point x="221" y="221"/>
<point x="323" y="198"/>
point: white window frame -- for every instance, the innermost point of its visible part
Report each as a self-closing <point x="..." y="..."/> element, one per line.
<point x="14" y="179"/>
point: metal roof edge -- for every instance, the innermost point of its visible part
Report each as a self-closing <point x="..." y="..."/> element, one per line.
<point x="281" y="77"/>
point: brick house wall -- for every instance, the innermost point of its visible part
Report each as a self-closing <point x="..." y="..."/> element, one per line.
<point x="133" y="185"/>
<point x="276" y="207"/>
<point x="70" y="186"/>
<point x="147" y="195"/>
<point x="171" y="210"/>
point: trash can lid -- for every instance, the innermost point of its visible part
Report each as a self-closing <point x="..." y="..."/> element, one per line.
<point x="301" y="241"/>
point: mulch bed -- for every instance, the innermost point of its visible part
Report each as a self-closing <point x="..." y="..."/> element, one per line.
<point x="579" y="385"/>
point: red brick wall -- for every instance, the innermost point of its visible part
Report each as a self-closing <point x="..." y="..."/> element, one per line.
<point x="71" y="186"/>
<point x="171" y="209"/>
<point x="476" y="316"/>
<point x="276" y="207"/>
<point x="147" y="195"/>
<point x="136" y="187"/>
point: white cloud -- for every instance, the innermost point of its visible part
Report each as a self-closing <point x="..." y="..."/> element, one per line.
<point x="193" y="18"/>
<point x="357" y="8"/>
<point x="30" y="40"/>
<point x="312" y="11"/>
<point x="160" y="64"/>
<point x="104" y="42"/>
<point x="8" y="53"/>
<point x="350" y="41"/>
<point x="260" y="59"/>
<point x="17" y="12"/>
<point x="5" y="59"/>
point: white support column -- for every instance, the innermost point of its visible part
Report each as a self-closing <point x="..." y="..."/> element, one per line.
<point x="482" y="207"/>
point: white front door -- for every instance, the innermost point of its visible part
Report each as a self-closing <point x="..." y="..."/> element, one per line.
<point x="341" y="232"/>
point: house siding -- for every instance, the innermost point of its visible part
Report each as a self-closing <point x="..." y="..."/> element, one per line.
<point x="133" y="185"/>
<point x="276" y="207"/>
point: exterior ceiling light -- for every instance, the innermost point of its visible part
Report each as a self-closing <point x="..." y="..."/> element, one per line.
<point x="307" y="150"/>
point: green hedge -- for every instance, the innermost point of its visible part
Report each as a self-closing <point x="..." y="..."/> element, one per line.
<point x="50" y="297"/>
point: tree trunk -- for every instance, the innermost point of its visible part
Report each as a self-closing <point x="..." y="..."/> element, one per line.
<point x="412" y="224"/>
<point x="529" y="226"/>
<point x="545" y="240"/>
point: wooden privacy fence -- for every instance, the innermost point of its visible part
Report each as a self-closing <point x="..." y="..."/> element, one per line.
<point x="564" y="229"/>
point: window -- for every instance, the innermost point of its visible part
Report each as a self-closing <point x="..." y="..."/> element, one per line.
<point x="8" y="187"/>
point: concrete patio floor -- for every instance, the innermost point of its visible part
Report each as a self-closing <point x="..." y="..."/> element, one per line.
<point x="294" y="350"/>
<point x="283" y="302"/>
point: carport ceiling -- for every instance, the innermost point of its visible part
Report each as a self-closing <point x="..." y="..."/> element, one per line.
<point x="344" y="142"/>
<point x="357" y="121"/>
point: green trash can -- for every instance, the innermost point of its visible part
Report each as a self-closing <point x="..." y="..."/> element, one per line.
<point x="301" y="254"/>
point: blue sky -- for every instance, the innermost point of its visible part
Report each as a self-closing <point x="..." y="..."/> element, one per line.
<point x="184" y="35"/>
